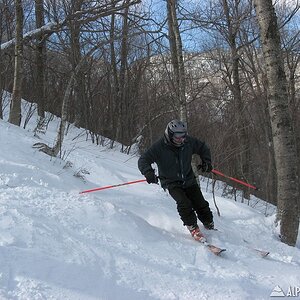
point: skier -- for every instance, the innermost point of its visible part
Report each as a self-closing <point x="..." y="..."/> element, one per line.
<point x="173" y="155"/>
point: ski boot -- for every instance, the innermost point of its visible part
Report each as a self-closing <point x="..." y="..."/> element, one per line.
<point x="196" y="233"/>
<point x="209" y="226"/>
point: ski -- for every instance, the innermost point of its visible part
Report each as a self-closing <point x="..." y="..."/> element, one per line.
<point x="212" y="248"/>
<point x="261" y="253"/>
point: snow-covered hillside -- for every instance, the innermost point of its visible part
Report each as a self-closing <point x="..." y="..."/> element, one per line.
<point x="121" y="243"/>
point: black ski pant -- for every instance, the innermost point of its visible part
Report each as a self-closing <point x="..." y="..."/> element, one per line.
<point x="190" y="200"/>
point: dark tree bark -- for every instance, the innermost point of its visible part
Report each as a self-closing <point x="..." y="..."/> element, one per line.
<point x="40" y="60"/>
<point x="177" y="59"/>
<point x="282" y="129"/>
<point x="15" y="108"/>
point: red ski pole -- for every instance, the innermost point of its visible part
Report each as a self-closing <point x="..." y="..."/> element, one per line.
<point x="111" y="186"/>
<point x="234" y="179"/>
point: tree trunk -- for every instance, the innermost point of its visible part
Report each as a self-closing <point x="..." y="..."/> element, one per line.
<point x="177" y="59"/>
<point x="1" y="60"/>
<point x="235" y="87"/>
<point x="79" y="83"/>
<point x="40" y="60"/>
<point x="15" y="108"/>
<point x="115" y="87"/>
<point x="122" y="78"/>
<point x="282" y="129"/>
<point x="293" y="62"/>
<point x="1" y="83"/>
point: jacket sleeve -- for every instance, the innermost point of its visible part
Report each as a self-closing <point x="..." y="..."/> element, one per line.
<point x="146" y="159"/>
<point x="202" y="149"/>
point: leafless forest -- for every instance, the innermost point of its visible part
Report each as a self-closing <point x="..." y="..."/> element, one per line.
<point x="122" y="69"/>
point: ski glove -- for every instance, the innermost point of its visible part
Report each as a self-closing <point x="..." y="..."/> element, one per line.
<point x="205" y="167"/>
<point x="151" y="177"/>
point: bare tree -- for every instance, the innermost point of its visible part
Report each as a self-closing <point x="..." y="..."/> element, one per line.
<point x="15" y="109"/>
<point x="282" y="129"/>
<point x="7" y="24"/>
<point x="40" y="60"/>
<point x="65" y="110"/>
<point x="114" y="105"/>
<point x="291" y="44"/>
<point x="1" y="59"/>
<point x="233" y="21"/>
<point x="75" y="58"/>
<point x="55" y="150"/>
<point x="121" y="86"/>
<point x="177" y="58"/>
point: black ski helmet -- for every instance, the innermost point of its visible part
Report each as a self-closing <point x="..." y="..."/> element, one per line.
<point x="174" y="129"/>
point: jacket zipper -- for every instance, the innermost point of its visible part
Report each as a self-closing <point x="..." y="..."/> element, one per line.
<point x="181" y="164"/>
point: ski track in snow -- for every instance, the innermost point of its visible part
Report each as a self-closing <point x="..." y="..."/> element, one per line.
<point x="122" y="243"/>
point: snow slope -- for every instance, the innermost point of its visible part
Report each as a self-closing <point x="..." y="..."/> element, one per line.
<point x="121" y="243"/>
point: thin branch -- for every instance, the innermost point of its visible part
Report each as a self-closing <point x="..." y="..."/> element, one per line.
<point x="53" y="27"/>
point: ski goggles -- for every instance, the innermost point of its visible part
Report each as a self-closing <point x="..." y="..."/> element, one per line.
<point x="179" y="137"/>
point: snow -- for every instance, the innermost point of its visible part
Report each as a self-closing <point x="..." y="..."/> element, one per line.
<point x="32" y="33"/>
<point x="121" y="243"/>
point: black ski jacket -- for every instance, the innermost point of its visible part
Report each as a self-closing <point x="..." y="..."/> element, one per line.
<point x="174" y="163"/>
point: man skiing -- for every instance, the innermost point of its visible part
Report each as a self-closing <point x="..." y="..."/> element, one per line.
<point x="173" y="155"/>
